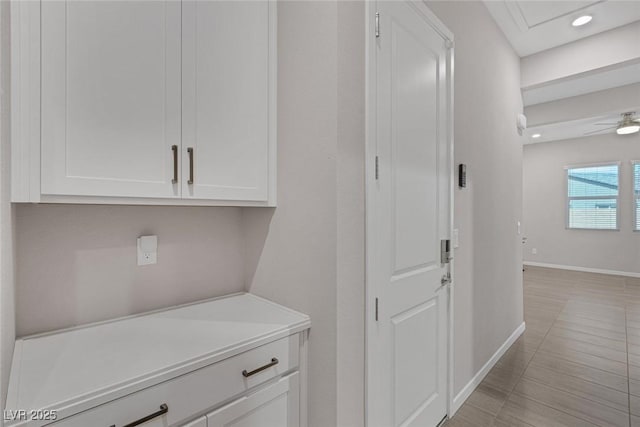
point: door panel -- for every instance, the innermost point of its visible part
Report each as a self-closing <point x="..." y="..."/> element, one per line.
<point x="414" y="163"/>
<point x="415" y="360"/>
<point x="110" y="97"/>
<point x="226" y="83"/>
<point x="409" y="205"/>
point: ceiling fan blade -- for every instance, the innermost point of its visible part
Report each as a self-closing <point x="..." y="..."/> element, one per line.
<point x="599" y="130"/>
<point x="603" y="124"/>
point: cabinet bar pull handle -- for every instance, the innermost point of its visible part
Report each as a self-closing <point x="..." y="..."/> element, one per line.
<point x="190" y="151"/>
<point x="174" y="148"/>
<point x="274" y="362"/>
<point x="164" y="408"/>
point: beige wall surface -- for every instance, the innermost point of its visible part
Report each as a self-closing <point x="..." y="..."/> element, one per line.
<point x="488" y="278"/>
<point x="351" y="214"/>
<point x="545" y="205"/>
<point x="308" y="253"/>
<point x="7" y="283"/>
<point x="77" y="263"/>
<point x="291" y="251"/>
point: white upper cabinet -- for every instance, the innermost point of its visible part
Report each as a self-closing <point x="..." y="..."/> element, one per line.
<point x="144" y="102"/>
<point x="227" y="92"/>
<point x="110" y="97"/>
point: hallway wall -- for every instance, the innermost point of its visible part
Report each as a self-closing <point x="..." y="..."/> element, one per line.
<point x="7" y="215"/>
<point x="488" y="278"/>
<point x="308" y="253"/>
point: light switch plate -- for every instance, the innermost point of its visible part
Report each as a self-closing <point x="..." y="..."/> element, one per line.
<point x="147" y="250"/>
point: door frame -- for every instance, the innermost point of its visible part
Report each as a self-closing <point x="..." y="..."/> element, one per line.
<point x="371" y="290"/>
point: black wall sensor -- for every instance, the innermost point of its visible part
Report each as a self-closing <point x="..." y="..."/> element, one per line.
<point x="462" y="175"/>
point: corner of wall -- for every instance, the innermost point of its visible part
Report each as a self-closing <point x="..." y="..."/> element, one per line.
<point x="350" y="254"/>
<point x="7" y="214"/>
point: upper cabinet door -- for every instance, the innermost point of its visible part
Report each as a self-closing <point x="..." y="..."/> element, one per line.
<point x="111" y="98"/>
<point x="228" y="76"/>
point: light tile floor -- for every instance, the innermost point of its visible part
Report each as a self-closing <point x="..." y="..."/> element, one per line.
<point x="578" y="362"/>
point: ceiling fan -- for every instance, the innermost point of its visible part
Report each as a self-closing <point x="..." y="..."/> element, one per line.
<point x="627" y="125"/>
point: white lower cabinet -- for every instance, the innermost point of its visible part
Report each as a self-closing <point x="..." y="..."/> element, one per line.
<point x="237" y="361"/>
<point x="276" y="405"/>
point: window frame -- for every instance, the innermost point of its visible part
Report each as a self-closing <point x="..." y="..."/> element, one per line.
<point x="635" y="198"/>
<point x="569" y="199"/>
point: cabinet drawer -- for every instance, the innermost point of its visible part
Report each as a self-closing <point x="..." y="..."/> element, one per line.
<point x="195" y="392"/>
<point x="277" y="405"/>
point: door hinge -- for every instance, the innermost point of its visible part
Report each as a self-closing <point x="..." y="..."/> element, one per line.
<point x="376" y="309"/>
<point x="377" y="169"/>
<point x="377" y="24"/>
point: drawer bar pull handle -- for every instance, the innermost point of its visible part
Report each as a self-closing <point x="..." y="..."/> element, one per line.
<point x="273" y="362"/>
<point x="164" y="408"/>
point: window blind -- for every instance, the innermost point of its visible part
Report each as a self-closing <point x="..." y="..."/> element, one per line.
<point x="592" y="199"/>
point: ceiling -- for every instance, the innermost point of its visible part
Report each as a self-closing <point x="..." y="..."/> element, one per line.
<point x="579" y="84"/>
<point x="534" y="26"/>
<point x="578" y="128"/>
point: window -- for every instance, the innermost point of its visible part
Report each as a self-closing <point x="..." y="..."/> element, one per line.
<point x="636" y="194"/>
<point x="592" y="201"/>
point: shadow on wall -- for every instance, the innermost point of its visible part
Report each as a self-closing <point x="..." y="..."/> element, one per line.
<point x="257" y="226"/>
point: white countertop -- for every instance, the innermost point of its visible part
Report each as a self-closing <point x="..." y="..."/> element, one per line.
<point x="75" y="369"/>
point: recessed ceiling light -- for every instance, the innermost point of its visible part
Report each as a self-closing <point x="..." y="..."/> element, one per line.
<point x="585" y="19"/>
<point x="536" y="135"/>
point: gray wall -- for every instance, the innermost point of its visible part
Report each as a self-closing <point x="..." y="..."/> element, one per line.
<point x="7" y="283"/>
<point x="309" y="252"/>
<point x="488" y="278"/>
<point x="351" y="215"/>
<point x="291" y="251"/>
<point x="77" y="263"/>
<point x="545" y="205"/>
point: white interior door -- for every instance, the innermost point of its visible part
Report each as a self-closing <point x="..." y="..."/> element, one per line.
<point x="408" y="215"/>
<point x="110" y="98"/>
<point x="228" y="93"/>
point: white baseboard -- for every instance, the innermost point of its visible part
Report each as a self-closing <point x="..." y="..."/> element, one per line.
<point x="585" y="269"/>
<point x="477" y="378"/>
